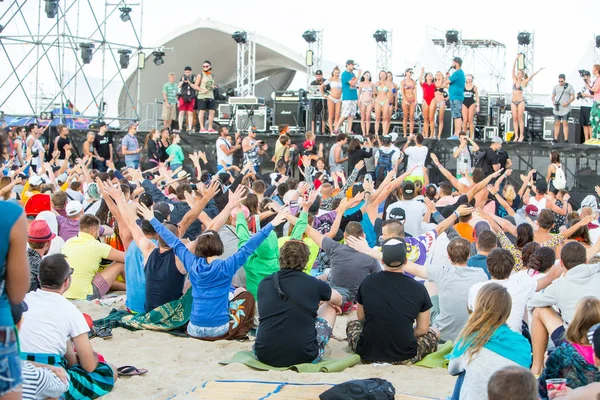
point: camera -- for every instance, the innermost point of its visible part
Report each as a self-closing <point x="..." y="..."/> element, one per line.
<point x="557" y="106"/>
<point x="583" y="73"/>
<point x="579" y="96"/>
<point x="35" y="153"/>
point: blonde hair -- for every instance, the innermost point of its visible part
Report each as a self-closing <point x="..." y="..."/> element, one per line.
<point x="5" y="181"/>
<point x="492" y="308"/>
<point x="509" y="193"/>
<point x="587" y="314"/>
<point x="596" y="68"/>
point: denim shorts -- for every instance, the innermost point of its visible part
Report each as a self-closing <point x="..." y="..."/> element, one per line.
<point x="207" y="332"/>
<point x="10" y="363"/>
<point x="558" y="118"/>
<point x="456" y="108"/>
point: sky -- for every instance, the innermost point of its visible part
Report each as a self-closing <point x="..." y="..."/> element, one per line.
<point x="562" y="36"/>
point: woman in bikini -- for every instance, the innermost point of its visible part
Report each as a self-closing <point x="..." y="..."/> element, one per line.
<point x="383" y="96"/>
<point x="517" y="107"/>
<point x="428" y="106"/>
<point x="440" y="101"/>
<point x="409" y="100"/>
<point x="334" y="98"/>
<point x="470" y="106"/>
<point x="365" y="88"/>
<point x="394" y="99"/>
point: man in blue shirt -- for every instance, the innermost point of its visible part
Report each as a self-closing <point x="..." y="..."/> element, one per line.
<point x="349" y="96"/>
<point x="486" y="242"/>
<point x="456" y="91"/>
<point x="131" y="148"/>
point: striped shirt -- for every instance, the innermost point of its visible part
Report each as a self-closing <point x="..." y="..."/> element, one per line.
<point x="41" y="383"/>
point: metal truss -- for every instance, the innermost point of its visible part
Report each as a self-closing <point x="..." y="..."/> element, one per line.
<point x="529" y="51"/>
<point x="316" y="48"/>
<point x="383" y="60"/>
<point x="246" y="66"/>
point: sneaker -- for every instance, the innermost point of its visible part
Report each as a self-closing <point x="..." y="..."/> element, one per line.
<point x="212" y="131"/>
<point x="566" y="141"/>
<point x="204" y="131"/>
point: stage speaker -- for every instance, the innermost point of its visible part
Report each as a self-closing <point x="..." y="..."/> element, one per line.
<point x="448" y="124"/>
<point x="287" y="113"/>
<point x="246" y="118"/>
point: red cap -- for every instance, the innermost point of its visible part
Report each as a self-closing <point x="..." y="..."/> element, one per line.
<point x="36" y="204"/>
<point x="308" y="143"/>
<point x="40" y="232"/>
<point x="532" y="210"/>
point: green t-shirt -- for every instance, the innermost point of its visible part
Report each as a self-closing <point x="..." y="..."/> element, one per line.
<point x="177" y="153"/>
<point x="171" y="90"/>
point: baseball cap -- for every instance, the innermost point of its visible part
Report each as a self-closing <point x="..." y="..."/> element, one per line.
<point x="39" y="232"/>
<point x="541" y="185"/>
<point x="224" y="177"/>
<point x="308" y="143"/>
<point x="73" y="208"/>
<point x="408" y="189"/>
<point x="319" y="72"/>
<point x="349" y="62"/>
<point x="146" y="199"/>
<point x="532" y="211"/>
<point x="62" y="178"/>
<point x="481" y="227"/>
<point x="187" y="68"/>
<point x="386" y="139"/>
<point x="35" y="180"/>
<point x="36" y="204"/>
<point x="398" y="214"/>
<point x="394" y="136"/>
<point x="590" y="201"/>
<point x="497" y="139"/>
<point x="163" y="209"/>
<point x="102" y="123"/>
<point x="393" y="252"/>
<point x="457" y="60"/>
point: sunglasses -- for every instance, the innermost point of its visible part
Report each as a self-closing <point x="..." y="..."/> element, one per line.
<point x="561" y="81"/>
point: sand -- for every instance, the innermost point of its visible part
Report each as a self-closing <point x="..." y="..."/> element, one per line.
<point x="177" y="365"/>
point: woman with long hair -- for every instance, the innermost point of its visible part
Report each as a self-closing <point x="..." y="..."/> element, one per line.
<point x="408" y="87"/>
<point x="573" y="359"/>
<point x="357" y="152"/>
<point x="517" y="106"/>
<point x="164" y="143"/>
<point x="428" y="106"/>
<point x="553" y="170"/>
<point x="365" y="101"/>
<point x="470" y="106"/>
<point x="440" y="101"/>
<point x="334" y="97"/>
<point x="383" y="96"/>
<point x="175" y="152"/>
<point x="559" y="207"/>
<point x="486" y="344"/>
<point x="151" y="146"/>
<point x="595" y="111"/>
<point x="394" y="100"/>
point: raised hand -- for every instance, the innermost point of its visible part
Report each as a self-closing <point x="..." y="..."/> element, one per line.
<point x="357" y="244"/>
<point x="281" y="217"/>
<point x="212" y="190"/>
<point x="465" y="210"/>
<point x="236" y="198"/>
<point x="434" y="158"/>
<point x="145" y="212"/>
<point x="359" y="165"/>
<point x="430" y="205"/>
<point x="492" y="190"/>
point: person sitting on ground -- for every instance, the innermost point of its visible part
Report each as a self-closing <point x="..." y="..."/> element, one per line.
<point x="210" y="277"/>
<point x="55" y="332"/>
<point x="39" y="237"/>
<point x="573" y="360"/>
<point x="293" y="328"/>
<point x="486" y="242"/>
<point x="383" y="332"/>
<point x="85" y="254"/>
<point x="68" y="227"/>
<point x="579" y="281"/>
<point x="59" y="203"/>
<point x="512" y="382"/>
<point x="486" y="344"/>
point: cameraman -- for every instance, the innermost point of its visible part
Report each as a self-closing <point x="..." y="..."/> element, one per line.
<point x="187" y="98"/>
<point x="563" y="95"/>
<point x="595" y="111"/>
<point x="586" y="96"/>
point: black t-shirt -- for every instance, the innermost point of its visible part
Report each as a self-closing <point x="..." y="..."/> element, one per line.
<point x="102" y="144"/>
<point x="356" y="157"/>
<point x="491" y="159"/>
<point x="502" y="158"/>
<point x="287" y="333"/>
<point x="164" y="282"/>
<point x="60" y="146"/>
<point x="391" y="301"/>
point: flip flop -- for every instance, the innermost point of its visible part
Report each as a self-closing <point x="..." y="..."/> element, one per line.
<point x="104" y="332"/>
<point x="130" y="370"/>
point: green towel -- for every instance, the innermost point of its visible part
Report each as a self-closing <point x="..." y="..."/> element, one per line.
<point x="326" y="365"/>
<point x="437" y="359"/>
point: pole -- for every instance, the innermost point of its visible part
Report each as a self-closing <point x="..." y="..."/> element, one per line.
<point x="100" y="108"/>
<point x="139" y="72"/>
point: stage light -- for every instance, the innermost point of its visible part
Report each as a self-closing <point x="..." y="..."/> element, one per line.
<point x="310" y="36"/>
<point x="47" y="115"/>
<point x="310" y="58"/>
<point x="125" y="13"/>
<point x="524" y="38"/>
<point x="380" y="35"/>
<point x="141" y="60"/>
<point x="87" y="52"/>
<point x="230" y="92"/>
<point x="158" y="57"/>
<point x="451" y="36"/>
<point x="240" y="37"/>
<point x="51" y="8"/>
<point x="598" y="41"/>
<point x="124" y="58"/>
<point x="95" y="124"/>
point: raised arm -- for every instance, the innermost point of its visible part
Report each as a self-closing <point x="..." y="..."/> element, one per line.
<point x="448" y="175"/>
<point x="194" y="212"/>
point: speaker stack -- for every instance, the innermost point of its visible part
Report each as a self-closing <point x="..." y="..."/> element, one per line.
<point x="286" y="109"/>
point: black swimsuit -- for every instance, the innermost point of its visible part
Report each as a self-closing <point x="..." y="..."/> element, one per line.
<point x="469" y="97"/>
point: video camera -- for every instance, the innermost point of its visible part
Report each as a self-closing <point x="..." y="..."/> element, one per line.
<point x="583" y="73"/>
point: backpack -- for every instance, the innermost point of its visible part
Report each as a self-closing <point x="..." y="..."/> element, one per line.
<point x="479" y="159"/>
<point x="559" y="181"/>
<point x="361" y="389"/>
<point x="384" y="165"/>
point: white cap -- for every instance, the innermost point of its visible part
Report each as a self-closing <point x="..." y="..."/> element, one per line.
<point x="62" y="178"/>
<point x="394" y="136"/>
<point x="73" y="208"/>
<point x="35" y="180"/>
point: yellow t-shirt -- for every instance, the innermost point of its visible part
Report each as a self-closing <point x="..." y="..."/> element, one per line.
<point x="84" y="254"/>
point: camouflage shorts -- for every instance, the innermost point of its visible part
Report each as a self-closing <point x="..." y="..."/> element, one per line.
<point x="426" y="344"/>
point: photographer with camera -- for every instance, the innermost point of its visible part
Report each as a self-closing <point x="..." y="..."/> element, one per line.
<point x="586" y="96"/>
<point x="187" y="98"/>
<point x="595" y="111"/>
<point x="563" y="95"/>
<point x="253" y="149"/>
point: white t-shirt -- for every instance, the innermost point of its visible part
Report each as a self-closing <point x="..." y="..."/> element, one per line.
<point x="39" y="147"/>
<point x="521" y="288"/>
<point x="416" y="156"/>
<point x="221" y="156"/>
<point x="540" y="204"/>
<point x="415" y="210"/>
<point x="387" y="150"/>
<point x="49" y="323"/>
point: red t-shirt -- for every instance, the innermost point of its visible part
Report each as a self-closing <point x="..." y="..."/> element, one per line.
<point x="428" y="91"/>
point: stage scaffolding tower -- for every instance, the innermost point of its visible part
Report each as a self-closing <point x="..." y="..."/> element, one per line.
<point x="528" y="50"/>
<point x="246" y="64"/>
<point x="55" y="48"/>
<point x="596" y="41"/>
<point x="314" y="53"/>
<point x="384" y="41"/>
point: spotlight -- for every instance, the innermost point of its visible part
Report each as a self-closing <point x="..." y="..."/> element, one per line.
<point x="95" y="124"/>
<point x="310" y="36"/>
<point x="380" y="36"/>
<point x="141" y="60"/>
<point x="524" y="38"/>
<point x="47" y="115"/>
<point x="124" y="58"/>
<point x="230" y="92"/>
<point x="451" y="36"/>
<point x="51" y="8"/>
<point x="240" y="37"/>
<point x="310" y="58"/>
<point x="125" y="13"/>
<point x="87" y="52"/>
<point x="158" y="57"/>
<point x="598" y="41"/>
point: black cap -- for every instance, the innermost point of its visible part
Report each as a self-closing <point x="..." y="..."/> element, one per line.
<point x="457" y="60"/>
<point x="319" y="72"/>
<point x="146" y="199"/>
<point x="101" y="124"/>
<point x="408" y="189"/>
<point x="393" y="253"/>
<point x="541" y="186"/>
<point x="386" y="139"/>
<point x="224" y="177"/>
<point x="187" y="69"/>
<point x="357" y="188"/>
<point x="163" y="208"/>
<point x="398" y="214"/>
<point x="350" y="62"/>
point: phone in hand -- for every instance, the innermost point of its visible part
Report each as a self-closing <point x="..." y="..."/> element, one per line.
<point x="534" y="176"/>
<point x="294" y="208"/>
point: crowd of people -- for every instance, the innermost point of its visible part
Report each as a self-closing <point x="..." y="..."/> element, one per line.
<point x="505" y="267"/>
